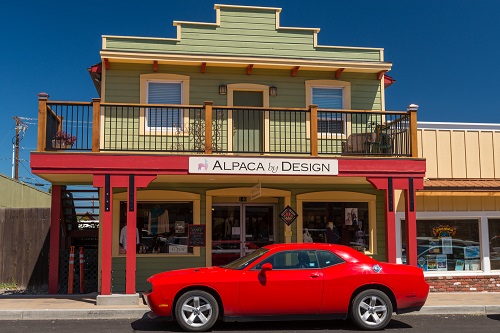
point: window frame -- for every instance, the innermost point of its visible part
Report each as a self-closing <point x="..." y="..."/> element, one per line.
<point x="184" y="81"/>
<point x="155" y="196"/>
<point x="345" y="87"/>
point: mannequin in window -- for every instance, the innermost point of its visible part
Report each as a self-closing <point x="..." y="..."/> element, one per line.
<point x="332" y="234"/>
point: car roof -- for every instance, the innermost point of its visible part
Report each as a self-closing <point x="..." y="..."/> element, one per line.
<point x="347" y="253"/>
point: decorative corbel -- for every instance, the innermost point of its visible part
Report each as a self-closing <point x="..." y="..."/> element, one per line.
<point x="249" y="69"/>
<point x="338" y="72"/>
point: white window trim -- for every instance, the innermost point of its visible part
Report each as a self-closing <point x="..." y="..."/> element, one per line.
<point x="481" y="216"/>
<point x="346" y="103"/>
<point x="163" y="78"/>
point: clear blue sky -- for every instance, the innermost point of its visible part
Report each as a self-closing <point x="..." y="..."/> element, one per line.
<point x="445" y="53"/>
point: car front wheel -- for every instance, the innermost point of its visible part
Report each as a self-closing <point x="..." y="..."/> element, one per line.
<point x="196" y="311"/>
<point x="371" y="310"/>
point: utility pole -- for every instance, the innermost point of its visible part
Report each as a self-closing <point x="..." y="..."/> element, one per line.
<point x="20" y="127"/>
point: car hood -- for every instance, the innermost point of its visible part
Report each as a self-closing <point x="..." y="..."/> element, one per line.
<point x="187" y="271"/>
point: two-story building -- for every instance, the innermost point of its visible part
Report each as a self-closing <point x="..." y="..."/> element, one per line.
<point x="228" y="137"/>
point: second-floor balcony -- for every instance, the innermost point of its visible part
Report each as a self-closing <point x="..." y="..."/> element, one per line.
<point x="181" y="129"/>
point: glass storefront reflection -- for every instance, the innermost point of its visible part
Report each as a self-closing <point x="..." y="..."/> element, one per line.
<point x="446" y="245"/>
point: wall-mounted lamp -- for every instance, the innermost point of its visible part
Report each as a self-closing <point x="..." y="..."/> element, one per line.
<point x="273" y="91"/>
<point x="222" y="89"/>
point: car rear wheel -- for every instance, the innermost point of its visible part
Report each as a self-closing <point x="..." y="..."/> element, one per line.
<point x="371" y="310"/>
<point x="196" y="311"/>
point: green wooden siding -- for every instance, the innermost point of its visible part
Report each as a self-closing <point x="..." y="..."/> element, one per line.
<point x="123" y="84"/>
<point x="243" y="31"/>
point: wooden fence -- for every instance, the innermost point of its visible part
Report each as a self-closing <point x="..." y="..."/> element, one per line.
<point x="24" y="247"/>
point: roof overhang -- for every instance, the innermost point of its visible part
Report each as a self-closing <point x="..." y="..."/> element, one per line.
<point x="244" y="62"/>
<point x="462" y="185"/>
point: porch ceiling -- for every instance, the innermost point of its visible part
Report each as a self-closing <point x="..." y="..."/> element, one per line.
<point x="87" y="179"/>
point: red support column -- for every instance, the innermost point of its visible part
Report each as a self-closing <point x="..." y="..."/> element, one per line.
<point x="390" y="234"/>
<point x="131" y="237"/>
<point x="104" y="182"/>
<point x="55" y="238"/>
<point x="107" y="240"/>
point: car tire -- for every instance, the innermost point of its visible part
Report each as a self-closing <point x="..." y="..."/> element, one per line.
<point x="371" y="310"/>
<point x="196" y="311"/>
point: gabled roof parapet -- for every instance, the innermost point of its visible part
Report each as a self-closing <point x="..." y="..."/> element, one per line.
<point x="242" y="31"/>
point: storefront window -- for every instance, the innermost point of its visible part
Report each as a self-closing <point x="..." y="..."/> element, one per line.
<point x="494" y="234"/>
<point x="337" y="223"/>
<point x="446" y="245"/>
<point x="162" y="227"/>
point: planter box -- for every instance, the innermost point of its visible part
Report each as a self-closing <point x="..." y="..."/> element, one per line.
<point x="59" y="144"/>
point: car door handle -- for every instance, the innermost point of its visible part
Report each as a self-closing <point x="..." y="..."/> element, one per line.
<point x="315" y="275"/>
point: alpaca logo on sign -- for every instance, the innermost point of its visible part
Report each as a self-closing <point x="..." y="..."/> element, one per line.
<point x="203" y="165"/>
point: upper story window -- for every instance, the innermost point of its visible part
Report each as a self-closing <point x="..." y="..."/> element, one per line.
<point x="164" y="93"/>
<point x="333" y="95"/>
<point x="328" y="98"/>
<point x="170" y="89"/>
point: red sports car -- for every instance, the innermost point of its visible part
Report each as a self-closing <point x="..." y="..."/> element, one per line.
<point x="289" y="280"/>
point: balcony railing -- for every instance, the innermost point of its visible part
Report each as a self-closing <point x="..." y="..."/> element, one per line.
<point x="234" y="130"/>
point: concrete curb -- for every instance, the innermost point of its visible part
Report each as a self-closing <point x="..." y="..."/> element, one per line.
<point x="457" y="309"/>
<point x="61" y="314"/>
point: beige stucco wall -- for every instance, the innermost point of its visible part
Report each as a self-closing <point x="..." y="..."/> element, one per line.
<point x="15" y="194"/>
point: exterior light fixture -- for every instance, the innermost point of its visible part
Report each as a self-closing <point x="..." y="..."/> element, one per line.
<point x="222" y="89"/>
<point x="273" y="91"/>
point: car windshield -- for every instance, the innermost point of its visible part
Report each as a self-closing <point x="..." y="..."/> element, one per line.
<point x="243" y="262"/>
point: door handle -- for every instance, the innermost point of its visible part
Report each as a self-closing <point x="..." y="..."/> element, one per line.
<point x="315" y="275"/>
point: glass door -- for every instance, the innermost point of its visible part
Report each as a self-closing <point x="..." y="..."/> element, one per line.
<point x="240" y="229"/>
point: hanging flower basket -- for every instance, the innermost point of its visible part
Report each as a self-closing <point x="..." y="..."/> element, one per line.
<point x="63" y="140"/>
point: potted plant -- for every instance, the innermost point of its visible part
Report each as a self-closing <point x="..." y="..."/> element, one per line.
<point x="63" y="140"/>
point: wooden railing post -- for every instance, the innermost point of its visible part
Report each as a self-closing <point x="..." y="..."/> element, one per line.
<point x="96" y="124"/>
<point x="208" y="127"/>
<point x="42" y="121"/>
<point x="412" y="109"/>
<point x="314" y="129"/>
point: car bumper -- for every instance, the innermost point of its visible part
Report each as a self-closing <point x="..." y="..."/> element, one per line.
<point x="158" y="305"/>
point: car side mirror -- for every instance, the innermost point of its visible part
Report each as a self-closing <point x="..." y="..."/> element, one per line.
<point x="266" y="267"/>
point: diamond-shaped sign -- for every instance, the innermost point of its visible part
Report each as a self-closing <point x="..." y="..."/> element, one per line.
<point x="288" y="215"/>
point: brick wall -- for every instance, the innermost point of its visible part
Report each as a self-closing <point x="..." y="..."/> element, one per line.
<point x="464" y="283"/>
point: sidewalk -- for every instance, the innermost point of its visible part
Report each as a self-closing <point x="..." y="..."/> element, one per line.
<point x="53" y="307"/>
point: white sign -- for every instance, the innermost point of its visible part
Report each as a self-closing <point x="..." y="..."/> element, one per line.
<point x="263" y="166"/>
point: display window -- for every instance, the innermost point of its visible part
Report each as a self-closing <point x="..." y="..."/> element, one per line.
<point x="446" y="245"/>
<point x="343" y="223"/>
<point x="162" y="227"/>
<point x="494" y="238"/>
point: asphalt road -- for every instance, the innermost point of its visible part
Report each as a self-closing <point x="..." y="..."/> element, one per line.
<point x="406" y="323"/>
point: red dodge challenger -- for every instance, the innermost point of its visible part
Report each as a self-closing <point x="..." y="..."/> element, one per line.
<point x="289" y="281"/>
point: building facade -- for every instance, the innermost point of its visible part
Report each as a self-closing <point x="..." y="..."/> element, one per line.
<point x="231" y="136"/>
<point x="458" y="217"/>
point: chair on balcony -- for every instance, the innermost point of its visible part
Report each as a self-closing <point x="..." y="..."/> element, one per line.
<point x="359" y="143"/>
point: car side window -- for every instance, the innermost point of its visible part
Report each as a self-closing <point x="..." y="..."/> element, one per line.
<point x="302" y="259"/>
<point x="327" y="259"/>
